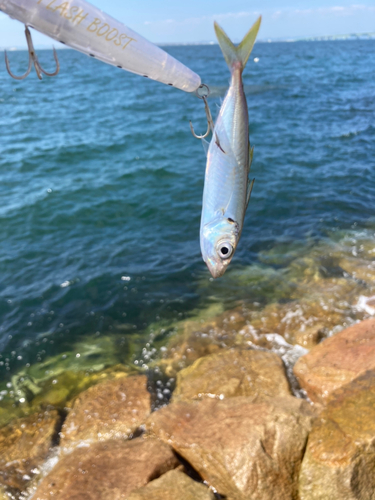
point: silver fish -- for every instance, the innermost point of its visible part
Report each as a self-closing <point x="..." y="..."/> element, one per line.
<point x="227" y="187"/>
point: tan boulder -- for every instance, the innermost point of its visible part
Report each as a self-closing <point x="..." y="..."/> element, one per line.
<point x="244" y="450"/>
<point x="259" y="375"/>
<point x="106" y="470"/>
<point x="337" y="360"/>
<point x="174" y="485"/>
<point x="339" y="463"/>
<point x="112" y="409"/>
<point x="24" y="446"/>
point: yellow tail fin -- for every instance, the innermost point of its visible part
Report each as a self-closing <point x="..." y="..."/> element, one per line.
<point x="237" y="55"/>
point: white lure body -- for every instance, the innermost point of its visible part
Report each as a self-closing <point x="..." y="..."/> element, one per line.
<point x="87" y="29"/>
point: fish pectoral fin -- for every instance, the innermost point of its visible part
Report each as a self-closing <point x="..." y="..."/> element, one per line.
<point x="250" y="185"/>
<point x="217" y="142"/>
<point x="205" y="145"/>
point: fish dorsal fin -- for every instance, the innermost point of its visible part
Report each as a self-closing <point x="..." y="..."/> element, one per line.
<point x="251" y="154"/>
<point x="250" y="185"/>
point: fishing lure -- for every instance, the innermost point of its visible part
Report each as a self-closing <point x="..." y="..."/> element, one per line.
<point x="83" y="27"/>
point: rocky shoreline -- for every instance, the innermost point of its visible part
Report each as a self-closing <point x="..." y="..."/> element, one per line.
<point x="233" y="429"/>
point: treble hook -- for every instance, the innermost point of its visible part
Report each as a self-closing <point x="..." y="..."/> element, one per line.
<point x="32" y="59"/>
<point x="210" y="123"/>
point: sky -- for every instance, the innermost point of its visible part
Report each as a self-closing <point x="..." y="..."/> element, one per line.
<point x="171" y="21"/>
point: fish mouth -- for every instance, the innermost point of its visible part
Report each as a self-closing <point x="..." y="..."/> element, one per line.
<point x="217" y="269"/>
<point x="218" y="234"/>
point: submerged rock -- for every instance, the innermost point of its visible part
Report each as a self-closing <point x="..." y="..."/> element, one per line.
<point x="9" y="411"/>
<point x="92" y="354"/>
<point x="195" y="339"/>
<point x="304" y="321"/>
<point x="300" y="322"/>
<point x="173" y="485"/>
<point x="112" y="409"/>
<point x="259" y="375"/>
<point x="29" y="395"/>
<point x="24" y="446"/>
<point x="337" y="361"/>
<point x="108" y="470"/>
<point x="244" y="450"/>
<point x="339" y="462"/>
<point x="241" y="327"/>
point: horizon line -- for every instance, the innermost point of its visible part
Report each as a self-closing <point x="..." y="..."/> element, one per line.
<point x="321" y="38"/>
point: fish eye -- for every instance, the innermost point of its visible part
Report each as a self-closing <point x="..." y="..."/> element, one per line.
<point x="225" y="250"/>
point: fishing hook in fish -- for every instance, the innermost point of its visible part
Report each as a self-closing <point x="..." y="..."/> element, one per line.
<point x="203" y="92"/>
<point x="33" y="59"/>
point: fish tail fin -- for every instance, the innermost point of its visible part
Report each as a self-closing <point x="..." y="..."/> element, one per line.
<point x="237" y="56"/>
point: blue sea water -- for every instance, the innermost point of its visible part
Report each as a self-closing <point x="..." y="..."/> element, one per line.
<point x="101" y="185"/>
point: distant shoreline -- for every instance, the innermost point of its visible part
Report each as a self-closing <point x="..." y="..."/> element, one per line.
<point x="326" y="38"/>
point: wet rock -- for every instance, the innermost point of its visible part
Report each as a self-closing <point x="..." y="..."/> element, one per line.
<point x="244" y="450"/>
<point x="308" y="337"/>
<point x="303" y="322"/>
<point x="360" y="269"/>
<point x="172" y="486"/>
<point x="59" y="391"/>
<point x="30" y="395"/>
<point x="339" y="462"/>
<point x="256" y="374"/>
<point x="112" y="409"/>
<point x="9" y="411"/>
<point x="197" y="338"/>
<point x="106" y="470"/>
<point x="24" y="446"/>
<point x="241" y="327"/>
<point x="337" y="360"/>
